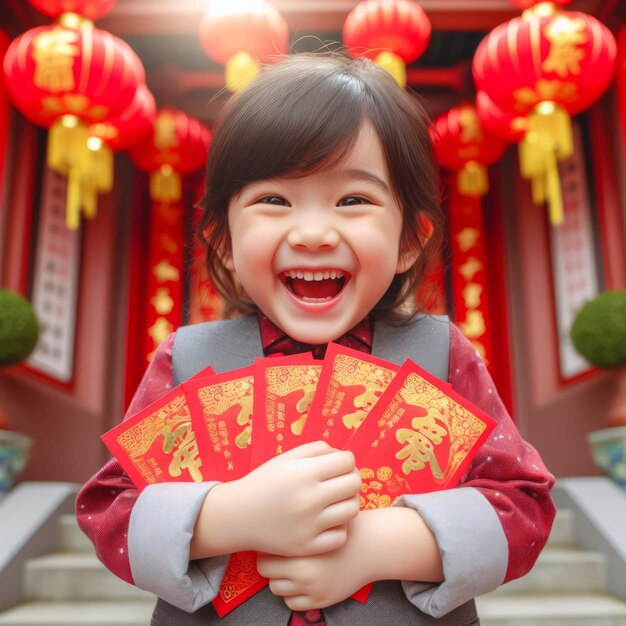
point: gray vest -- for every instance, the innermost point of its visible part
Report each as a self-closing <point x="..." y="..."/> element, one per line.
<point x="235" y="343"/>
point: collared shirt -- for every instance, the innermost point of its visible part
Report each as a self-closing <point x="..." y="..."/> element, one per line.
<point x="275" y="341"/>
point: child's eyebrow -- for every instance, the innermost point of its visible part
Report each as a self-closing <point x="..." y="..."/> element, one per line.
<point x="366" y="176"/>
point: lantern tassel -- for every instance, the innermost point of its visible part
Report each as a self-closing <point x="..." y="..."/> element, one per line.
<point x="548" y="140"/>
<point x="472" y="180"/>
<point x="68" y="155"/>
<point x="165" y="184"/>
<point x="240" y="70"/>
<point x="73" y="198"/>
<point x="391" y="62"/>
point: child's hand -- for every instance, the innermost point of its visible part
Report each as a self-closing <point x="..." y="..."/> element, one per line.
<point x="315" y="582"/>
<point x="299" y="503"/>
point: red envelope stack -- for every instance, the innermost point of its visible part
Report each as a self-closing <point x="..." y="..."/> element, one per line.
<point x="409" y="432"/>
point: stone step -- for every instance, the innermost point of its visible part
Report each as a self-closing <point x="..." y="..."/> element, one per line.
<point x="117" y="613"/>
<point x="75" y="576"/>
<point x="551" y="610"/>
<point x="562" y="533"/>
<point x="71" y="537"/>
<point x="562" y="570"/>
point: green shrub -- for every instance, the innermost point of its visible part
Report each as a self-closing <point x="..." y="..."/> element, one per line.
<point x="599" y="330"/>
<point x="19" y="329"/>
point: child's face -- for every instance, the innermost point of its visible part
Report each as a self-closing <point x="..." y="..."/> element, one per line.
<point x="317" y="252"/>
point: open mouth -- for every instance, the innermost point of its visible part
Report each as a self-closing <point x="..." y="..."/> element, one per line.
<point x="315" y="286"/>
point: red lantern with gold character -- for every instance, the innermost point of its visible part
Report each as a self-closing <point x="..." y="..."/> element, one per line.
<point x="177" y="145"/>
<point x="239" y="35"/>
<point x="91" y="9"/>
<point x="67" y="78"/>
<point x="392" y="33"/>
<point x="547" y="64"/>
<point x="461" y="144"/>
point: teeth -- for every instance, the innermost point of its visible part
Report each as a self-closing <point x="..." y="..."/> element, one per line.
<point x="311" y="276"/>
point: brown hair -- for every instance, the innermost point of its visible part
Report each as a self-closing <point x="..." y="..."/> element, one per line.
<point x="303" y="115"/>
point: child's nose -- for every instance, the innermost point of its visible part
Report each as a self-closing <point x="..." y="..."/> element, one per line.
<point x="313" y="232"/>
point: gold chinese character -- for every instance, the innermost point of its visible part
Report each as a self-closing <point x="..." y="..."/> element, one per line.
<point x="471" y="295"/>
<point x="420" y="442"/>
<point x="564" y="35"/>
<point x="54" y="53"/>
<point x="181" y="443"/>
<point x="470" y="126"/>
<point x="165" y="132"/>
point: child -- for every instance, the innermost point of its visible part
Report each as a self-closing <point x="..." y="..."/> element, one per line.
<point x="320" y="217"/>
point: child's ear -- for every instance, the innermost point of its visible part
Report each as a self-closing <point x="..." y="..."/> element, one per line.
<point x="226" y="257"/>
<point x="406" y="260"/>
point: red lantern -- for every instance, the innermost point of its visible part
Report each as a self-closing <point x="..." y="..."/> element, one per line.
<point x="546" y="66"/>
<point x="529" y="4"/>
<point x="462" y="145"/>
<point x="53" y="71"/>
<point x="238" y="36"/>
<point x="177" y="145"/>
<point x="67" y="78"/>
<point x="495" y="121"/>
<point x="91" y="9"/>
<point x="133" y="124"/>
<point x="392" y="33"/>
<point x="566" y="58"/>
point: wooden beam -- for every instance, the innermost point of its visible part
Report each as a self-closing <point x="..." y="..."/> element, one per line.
<point x="181" y="16"/>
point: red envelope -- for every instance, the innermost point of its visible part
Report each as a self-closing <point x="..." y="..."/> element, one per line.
<point x="221" y="412"/>
<point x="221" y="408"/>
<point x="284" y="388"/>
<point x="158" y="444"/>
<point x="420" y="437"/>
<point x="350" y="385"/>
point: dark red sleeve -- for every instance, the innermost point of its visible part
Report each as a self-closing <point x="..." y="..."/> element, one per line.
<point x="104" y="503"/>
<point x="507" y="470"/>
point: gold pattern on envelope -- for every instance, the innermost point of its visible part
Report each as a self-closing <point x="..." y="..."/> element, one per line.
<point x="375" y="482"/>
<point x="283" y="380"/>
<point x="218" y="398"/>
<point x="348" y="371"/>
<point x="172" y="423"/>
<point x="462" y="426"/>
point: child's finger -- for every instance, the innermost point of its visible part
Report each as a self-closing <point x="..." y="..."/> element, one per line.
<point x="329" y="540"/>
<point x="299" y="603"/>
<point x="271" y="566"/>
<point x="338" y="513"/>
<point x="340" y="487"/>
<point x="332" y="464"/>
<point x="283" y="587"/>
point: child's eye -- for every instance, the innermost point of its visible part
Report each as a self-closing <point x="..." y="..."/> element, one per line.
<point x="353" y="200"/>
<point x="278" y="200"/>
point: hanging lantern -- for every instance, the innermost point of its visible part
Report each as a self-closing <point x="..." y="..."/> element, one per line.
<point x="547" y="65"/>
<point x="530" y="4"/>
<point x="241" y="34"/>
<point x="177" y="145"/>
<point x="90" y="9"/>
<point x="495" y="121"/>
<point x="461" y="145"/>
<point x="393" y="33"/>
<point x="65" y="79"/>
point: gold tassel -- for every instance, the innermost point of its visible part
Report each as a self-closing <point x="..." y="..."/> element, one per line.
<point x="241" y="69"/>
<point x="472" y="180"/>
<point x="165" y="184"/>
<point x="548" y="140"/>
<point x="68" y="155"/>
<point x="72" y="200"/>
<point x="394" y="65"/>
